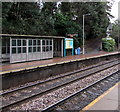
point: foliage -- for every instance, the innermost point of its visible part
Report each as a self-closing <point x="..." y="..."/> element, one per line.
<point x="30" y="18"/>
<point x="97" y="22"/>
<point x="19" y="19"/>
<point x="108" y="44"/>
<point x="115" y="31"/>
<point x="64" y="24"/>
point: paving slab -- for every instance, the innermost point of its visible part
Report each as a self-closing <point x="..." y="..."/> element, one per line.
<point x="110" y="100"/>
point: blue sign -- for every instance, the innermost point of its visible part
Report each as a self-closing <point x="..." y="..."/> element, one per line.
<point x="68" y="43"/>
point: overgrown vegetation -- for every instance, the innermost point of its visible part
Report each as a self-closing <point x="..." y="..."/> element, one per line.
<point x="115" y="33"/>
<point x="108" y="44"/>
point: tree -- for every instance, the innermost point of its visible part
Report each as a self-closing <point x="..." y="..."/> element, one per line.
<point x="19" y="18"/>
<point x="116" y="31"/>
<point x="95" y="24"/>
<point x="30" y="18"/>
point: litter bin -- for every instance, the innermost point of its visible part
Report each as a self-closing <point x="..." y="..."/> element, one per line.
<point x="78" y="51"/>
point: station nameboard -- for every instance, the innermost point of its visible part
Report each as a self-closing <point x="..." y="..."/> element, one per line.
<point x="68" y="43"/>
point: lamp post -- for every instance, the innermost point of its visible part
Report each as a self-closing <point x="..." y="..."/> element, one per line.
<point x="84" y="33"/>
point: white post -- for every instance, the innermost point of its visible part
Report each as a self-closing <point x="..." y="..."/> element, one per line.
<point x="83" y="36"/>
<point x="118" y="43"/>
<point x="52" y="48"/>
<point x="10" y="50"/>
<point x="84" y="32"/>
<point x="0" y="49"/>
<point x="62" y="47"/>
<point x="27" y="52"/>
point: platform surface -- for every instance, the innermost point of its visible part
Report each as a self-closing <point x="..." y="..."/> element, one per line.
<point x="110" y="100"/>
<point x="34" y="64"/>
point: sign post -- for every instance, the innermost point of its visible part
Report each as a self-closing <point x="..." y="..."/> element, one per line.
<point x="68" y="43"/>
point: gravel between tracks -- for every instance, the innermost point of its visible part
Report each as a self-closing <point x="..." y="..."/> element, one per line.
<point x="52" y="97"/>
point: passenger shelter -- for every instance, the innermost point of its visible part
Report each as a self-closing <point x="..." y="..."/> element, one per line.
<point x="18" y="48"/>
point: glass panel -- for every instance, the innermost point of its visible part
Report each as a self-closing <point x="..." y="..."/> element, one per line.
<point x="50" y="42"/>
<point x="38" y="42"/>
<point x="43" y="42"/>
<point x="30" y="42"/>
<point x="8" y="42"/>
<point x="13" y="50"/>
<point x="50" y="48"/>
<point x="24" y="42"/>
<point x="13" y="42"/>
<point x="8" y="49"/>
<point x="18" y="42"/>
<point x="38" y="49"/>
<point x="3" y="42"/>
<point x="19" y="49"/>
<point x="3" y="50"/>
<point x="34" y="49"/>
<point x="34" y="42"/>
<point x="24" y="49"/>
<point x="47" y="42"/>
<point x="47" y="48"/>
<point x="30" y="49"/>
<point x="43" y="49"/>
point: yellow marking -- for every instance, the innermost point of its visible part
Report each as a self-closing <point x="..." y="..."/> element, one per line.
<point x="73" y="60"/>
<point x="100" y="97"/>
<point x="31" y="67"/>
<point x="51" y="64"/>
<point x="42" y="65"/>
<point x="4" y="72"/>
<point x="60" y="63"/>
<point x="11" y="71"/>
<point x="21" y="69"/>
<point x="66" y="61"/>
<point x="17" y="70"/>
<point x="79" y="59"/>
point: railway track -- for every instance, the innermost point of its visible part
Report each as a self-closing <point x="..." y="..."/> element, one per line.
<point x="82" y="98"/>
<point x="18" y="96"/>
<point x="61" y="76"/>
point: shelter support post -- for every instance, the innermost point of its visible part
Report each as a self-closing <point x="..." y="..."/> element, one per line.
<point x="0" y="49"/>
<point x="62" y="47"/>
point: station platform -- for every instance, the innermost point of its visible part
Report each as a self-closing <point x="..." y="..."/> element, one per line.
<point x="108" y="101"/>
<point x="40" y="63"/>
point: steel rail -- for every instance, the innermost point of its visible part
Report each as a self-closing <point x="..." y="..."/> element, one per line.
<point x="78" y="92"/>
<point x="48" y="80"/>
<point x="51" y="89"/>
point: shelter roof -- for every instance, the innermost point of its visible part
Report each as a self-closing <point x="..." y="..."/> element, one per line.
<point x="30" y="36"/>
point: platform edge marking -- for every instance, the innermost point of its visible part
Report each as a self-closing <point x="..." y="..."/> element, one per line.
<point x="16" y="70"/>
<point x="97" y="99"/>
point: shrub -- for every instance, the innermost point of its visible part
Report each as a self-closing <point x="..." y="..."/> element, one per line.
<point x="108" y="44"/>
